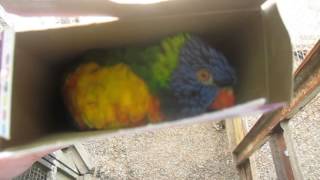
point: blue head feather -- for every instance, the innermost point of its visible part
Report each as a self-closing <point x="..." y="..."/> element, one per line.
<point x="193" y="96"/>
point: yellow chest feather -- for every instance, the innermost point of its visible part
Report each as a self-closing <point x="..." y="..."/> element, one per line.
<point x="109" y="97"/>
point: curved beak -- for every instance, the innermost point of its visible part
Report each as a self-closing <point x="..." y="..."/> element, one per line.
<point x="224" y="99"/>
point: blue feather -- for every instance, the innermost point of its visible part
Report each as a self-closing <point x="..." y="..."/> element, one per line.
<point x="193" y="96"/>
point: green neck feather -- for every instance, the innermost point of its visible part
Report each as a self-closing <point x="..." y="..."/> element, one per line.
<point x="153" y="64"/>
<point x="163" y="60"/>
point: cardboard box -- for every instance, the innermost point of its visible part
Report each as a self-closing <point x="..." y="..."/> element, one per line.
<point x="249" y="32"/>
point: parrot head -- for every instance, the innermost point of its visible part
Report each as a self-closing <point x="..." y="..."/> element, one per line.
<point x="202" y="80"/>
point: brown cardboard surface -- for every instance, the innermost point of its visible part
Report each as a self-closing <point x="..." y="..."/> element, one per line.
<point x="243" y="35"/>
<point x="279" y="55"/>
<point x="228" y="32"/>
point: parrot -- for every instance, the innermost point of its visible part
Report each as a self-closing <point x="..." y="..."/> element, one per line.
<point x="177" y="77"/>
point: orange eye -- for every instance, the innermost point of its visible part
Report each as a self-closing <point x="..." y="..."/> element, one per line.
<point x="204" y="76"/>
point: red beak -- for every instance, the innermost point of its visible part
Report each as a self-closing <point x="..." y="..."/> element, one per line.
<point x="224" y="99"/>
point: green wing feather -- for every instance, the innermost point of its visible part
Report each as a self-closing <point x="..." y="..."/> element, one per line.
<point x="154" y="64"/>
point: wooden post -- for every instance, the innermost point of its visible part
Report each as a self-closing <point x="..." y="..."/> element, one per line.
<point x="245" y="170"/>
<point x="280" y="155"/>
<point x="287" y="135"/>
<point x="305" y="90"/>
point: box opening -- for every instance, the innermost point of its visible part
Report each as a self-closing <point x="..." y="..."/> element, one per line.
<point x="41" y="57"/>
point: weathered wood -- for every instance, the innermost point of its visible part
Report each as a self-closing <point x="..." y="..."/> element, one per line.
<point x="287" y="134"/>
<point x="304" y="92"/>
<point x="236" y="131"/>
<point x="245" y="171"/>
<point x="280" y="155"/>
<point x="307" y="66"/>
<point x="257" y="136"/>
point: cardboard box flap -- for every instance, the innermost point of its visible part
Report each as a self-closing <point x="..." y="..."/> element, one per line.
<point x="66" y="139"/>
<point x="279" y="55"/>
<point x="107" y="7"/>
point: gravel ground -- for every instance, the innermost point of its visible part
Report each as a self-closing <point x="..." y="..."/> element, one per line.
<point x="305" y="137"/>
<point x="262" y="164"/>
<point x="261" y="161"/>
<point x="193" y="152"/>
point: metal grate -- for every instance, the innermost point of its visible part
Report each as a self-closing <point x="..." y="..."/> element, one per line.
<point x="302" y="19"/>
<point x="36" y="172"/>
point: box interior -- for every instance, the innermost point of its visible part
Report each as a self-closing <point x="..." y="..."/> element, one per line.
<point x="41" y="58"/>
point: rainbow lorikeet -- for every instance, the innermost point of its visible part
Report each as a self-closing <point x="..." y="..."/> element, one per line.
<point x="180" y="76"/>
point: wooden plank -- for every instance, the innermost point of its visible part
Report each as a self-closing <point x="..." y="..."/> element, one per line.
<point x="307" y="63"/>
<point x="287" y="134"/>
<point x="236" y="130"/>
<point x="253" y="139"/>
<point x="76" y="159"/>
<point x="245" y="171"/>
<point x="84" y="155"/>
<point x="307" y="74"/>
<point x="280" y="155"/>
<point x="305" y="91"/>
